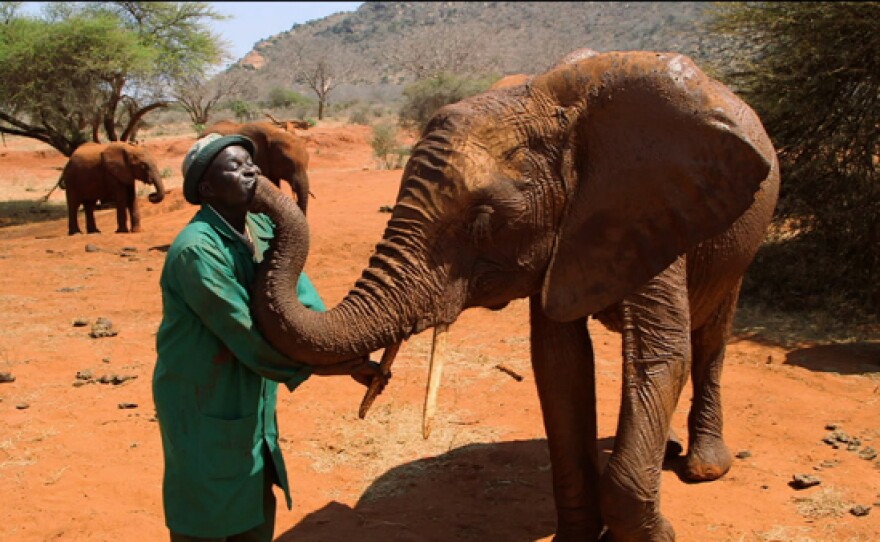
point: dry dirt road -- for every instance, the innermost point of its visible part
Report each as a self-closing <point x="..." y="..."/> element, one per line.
<point x="76" y="466"/>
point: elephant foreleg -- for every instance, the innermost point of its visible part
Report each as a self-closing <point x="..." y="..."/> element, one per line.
<point x="708" y="458"/>
<point x="656" y="361"/>
<point x="562" y="358"/>
<point x="124" y="201"/>
<point x="89" y="209"/>
<point x="135" y="211"/>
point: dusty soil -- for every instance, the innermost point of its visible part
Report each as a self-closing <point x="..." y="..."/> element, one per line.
<point x="74" y="465"/>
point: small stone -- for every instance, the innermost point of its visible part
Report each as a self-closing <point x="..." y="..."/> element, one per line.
<point x="84" y="375"/>
<point x="149" y="269"/>
<point x="68" y="289"/>
<point x="803" y="481"/>
<point x="386" y="209"/>
<point x="102" y="328"/>
<point x="80" y="322"/>
<point x="7" y="377"/>
<point x="828" y="463"/>
<point x="853" y="446"/>
<point x="79" y="383"/>
<point x="868" y="453"/>
<point x="124" y="406"/>
<point x="765" y="486"/>
<point x="831" y="426"/>
<point x="859" y="510"/>
<point x="743" y="454"/>
<point x="92" y="248"/>
<point x="129" y="249"/>
<point x="22" y="406"/>
<point x="119" y="379"/>
<point x="106" y="360"/>
<point x="105" y="379"/>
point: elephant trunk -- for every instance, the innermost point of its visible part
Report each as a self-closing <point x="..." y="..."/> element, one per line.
<point x="155" y="179"/>
<point x="372" y="316"/>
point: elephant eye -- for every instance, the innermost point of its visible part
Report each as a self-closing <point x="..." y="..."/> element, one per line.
<point x="480" y="226"/>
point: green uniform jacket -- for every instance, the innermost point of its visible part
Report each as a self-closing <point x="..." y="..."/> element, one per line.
<point x="216" y="410"/>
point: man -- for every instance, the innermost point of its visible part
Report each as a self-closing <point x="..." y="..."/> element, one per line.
<point x="214" y="384"/>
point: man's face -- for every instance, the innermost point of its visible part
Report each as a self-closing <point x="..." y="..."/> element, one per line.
<point x="231" y="179"/>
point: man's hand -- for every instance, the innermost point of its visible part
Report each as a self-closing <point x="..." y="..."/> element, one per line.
<point x="361" y="369"/>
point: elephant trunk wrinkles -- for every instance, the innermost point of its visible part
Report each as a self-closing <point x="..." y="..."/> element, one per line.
<point x="368" y="319"/>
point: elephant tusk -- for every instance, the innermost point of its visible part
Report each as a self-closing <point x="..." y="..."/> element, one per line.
<point x="438" y="358"/>
<point x="376" y="385"/>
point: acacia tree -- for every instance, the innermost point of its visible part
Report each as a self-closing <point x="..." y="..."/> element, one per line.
<point x="199" y="96"/>
<point x="322" y="66"/>
<point x="83" y="71"/>
<point x="812" y="72"/>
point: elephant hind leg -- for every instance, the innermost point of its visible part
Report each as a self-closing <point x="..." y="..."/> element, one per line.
<point x="708" y="457"/>
<point x="72" y="219"/>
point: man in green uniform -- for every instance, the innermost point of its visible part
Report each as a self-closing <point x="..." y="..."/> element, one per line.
<point x="215" y="380"/>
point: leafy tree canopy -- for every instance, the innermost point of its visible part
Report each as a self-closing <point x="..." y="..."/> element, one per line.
<point x="84" y="70"/>
<point x="812" y="72"/>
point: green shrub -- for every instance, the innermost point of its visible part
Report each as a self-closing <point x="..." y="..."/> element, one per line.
<point x="423" y="98"/>
<point x="387" y="148"/>
<point x="359" y="116"/>
<point x="280" y="97"/>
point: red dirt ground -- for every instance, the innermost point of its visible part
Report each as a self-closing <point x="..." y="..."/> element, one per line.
<point x="74" y="466"/>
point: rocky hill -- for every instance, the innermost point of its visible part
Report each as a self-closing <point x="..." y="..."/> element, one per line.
<point x="390" y="43"/>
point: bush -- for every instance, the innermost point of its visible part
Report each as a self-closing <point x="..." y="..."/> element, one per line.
<point x="387" y="148"/>
<point x="243" y="110"/>
<point x="281" y="97"/>
<point x="423" y="98"/>
<point x="359" y="116"/>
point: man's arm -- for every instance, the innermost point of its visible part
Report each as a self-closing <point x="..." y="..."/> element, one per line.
<point x="210" y="289"/>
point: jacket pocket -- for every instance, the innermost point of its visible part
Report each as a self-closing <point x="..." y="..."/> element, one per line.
<point x="226" y="446"/>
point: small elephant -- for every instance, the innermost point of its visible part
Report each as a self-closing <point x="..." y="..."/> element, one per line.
<point x="279" y="154"/>
<point x="624" y="186"/>
<point x="107" y="172"/>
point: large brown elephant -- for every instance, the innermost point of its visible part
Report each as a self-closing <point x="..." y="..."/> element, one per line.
<point x="279" y="154"/>
<point x="107" y="172"/>
<point x="627" y="186"/>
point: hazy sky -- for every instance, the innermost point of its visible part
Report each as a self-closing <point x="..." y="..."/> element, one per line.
<point x="253" y="21"/>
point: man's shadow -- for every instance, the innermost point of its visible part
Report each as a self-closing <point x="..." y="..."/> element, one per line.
<point x="493" y="492"/>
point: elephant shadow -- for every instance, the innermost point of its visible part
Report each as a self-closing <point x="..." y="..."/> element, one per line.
<point x="844" y="359"/>
<point x="488" y="492"/>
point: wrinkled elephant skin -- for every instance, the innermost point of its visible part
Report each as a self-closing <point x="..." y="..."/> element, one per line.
<point x="626" y="186"/>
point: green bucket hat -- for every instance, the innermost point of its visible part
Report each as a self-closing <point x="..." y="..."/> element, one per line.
<point x="200" y="156"/>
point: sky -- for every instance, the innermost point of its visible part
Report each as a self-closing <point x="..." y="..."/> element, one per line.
<point x="252" y="21"/>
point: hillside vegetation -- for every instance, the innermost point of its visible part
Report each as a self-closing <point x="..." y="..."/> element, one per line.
<point x="387" y="44"/>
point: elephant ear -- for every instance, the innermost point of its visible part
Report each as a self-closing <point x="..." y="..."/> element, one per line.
<point x="116" y="162"/>
<point x="660" y="161"/>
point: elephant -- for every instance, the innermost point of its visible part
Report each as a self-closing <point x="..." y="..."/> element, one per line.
<point x="279" y="154"/>
<point x="106" y="172"/>
<point x="628" y="187"/>
<point x="517" y="79"/>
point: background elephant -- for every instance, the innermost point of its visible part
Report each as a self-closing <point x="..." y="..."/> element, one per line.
<point x="279" y="154"/>
<point x="107" y="172"/>
<point x="628" y="186"/>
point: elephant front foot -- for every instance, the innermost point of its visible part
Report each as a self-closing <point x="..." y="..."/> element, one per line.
<point x="708" y="459"/>
<point x="630" y="517"/>
<point x="121" y="230"/>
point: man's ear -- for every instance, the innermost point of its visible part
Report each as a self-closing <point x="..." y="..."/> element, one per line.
<point x="205" y="189"/>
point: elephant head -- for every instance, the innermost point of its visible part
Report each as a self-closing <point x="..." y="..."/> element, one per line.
<point x="127" y="162"/>
<point x="578" y="187"/>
